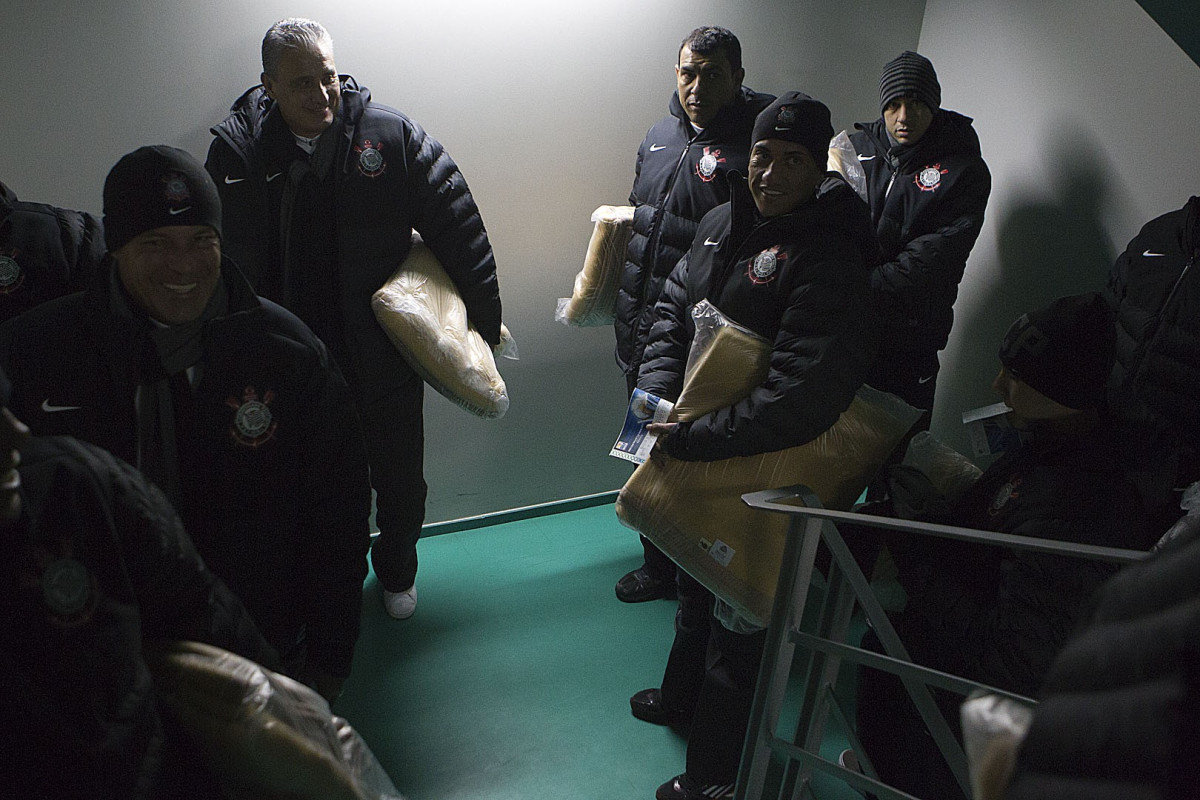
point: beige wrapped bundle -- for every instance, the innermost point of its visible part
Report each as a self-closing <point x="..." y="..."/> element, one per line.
<point x="264" y="735"/>
<point x="693" y="510"/>
<point x="424" y="316"/>
<point x="595" y="293"/>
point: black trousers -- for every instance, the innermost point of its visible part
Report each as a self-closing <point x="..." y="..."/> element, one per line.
<point x="713" y="671"/>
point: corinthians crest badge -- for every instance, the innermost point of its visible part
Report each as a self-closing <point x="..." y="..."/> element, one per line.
<point x="706" y="167"/>
<point x="253" y="424"/>
<point x="370" y="158"/>
<point x="763" y="267"/>
<point x="930" y="178"/>
<point x="11" y="276"/>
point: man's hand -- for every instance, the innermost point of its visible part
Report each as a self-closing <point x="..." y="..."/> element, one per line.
<point x="659" y="429"/>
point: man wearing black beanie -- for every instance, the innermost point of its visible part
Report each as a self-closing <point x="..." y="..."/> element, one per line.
<point x="786" y="258"/>
<point x="992" y="615"/>
<point x="227" y="402"/>
<point x="927" y="186"/>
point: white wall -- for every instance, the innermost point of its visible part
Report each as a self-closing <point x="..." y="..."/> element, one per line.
<point x="1088" y="114"/>
<point x="542" y="103"/>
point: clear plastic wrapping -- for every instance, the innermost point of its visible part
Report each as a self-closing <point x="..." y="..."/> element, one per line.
<point x="694" y="512"/>
<point x="263" y="734"/>
<point x="993" y="728"/>
<point x="844" y="159"/>
<point x="949" y="471"/>
<point x="594" y="296"/>
<point x="420" y="309"/>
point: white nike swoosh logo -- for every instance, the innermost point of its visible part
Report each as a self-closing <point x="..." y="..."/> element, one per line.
<point x="654" y="148"/>
<point x="233" y="180"/>
<point x="273" y="177"/>
<point x="709" y="242"/>
<point x="174" y="211"/>
<point x="926" y="379"/>
<point x="49" y="409"/>
<point x="1148" y="254"/>
<point x="865" y="158"/>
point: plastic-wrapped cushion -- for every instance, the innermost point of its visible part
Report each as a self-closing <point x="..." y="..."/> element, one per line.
<point x="426" y="319"/>
<point x="263" y="734"/>
<point x="593" y="299"/>
<point x="844" y="160"/>
<point x="950" y="472"/>
<point x="693" y="511"/>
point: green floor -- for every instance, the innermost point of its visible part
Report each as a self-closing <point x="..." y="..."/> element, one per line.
<point x="512" y="680"/>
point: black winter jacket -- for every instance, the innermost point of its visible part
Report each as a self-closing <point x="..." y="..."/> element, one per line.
<point x="391" y="178"/>
<point x="45" y="252"/>
<point x="999" y="616"/>
<point x="927" y="203"/>
<point x="680" y="176"/>
<point x="1154" y="288"/>
<point x="1119" y="715"/>
<point x="97" y="563"/>
<point x="276" y="489"/>
<point x="800" y="281"/>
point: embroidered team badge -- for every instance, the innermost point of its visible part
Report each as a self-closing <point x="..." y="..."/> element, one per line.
<point x="762" y="268"/>
<point x="11" y="276"/>
<point x="1006" y="492"/>
<point x="175" y="188"/>
<point x="253" y="424"/>
<point x="706" y="167"/>
<point x="370" y="158"/>
<point x="930" y="178"/>
<point x="67" y="589"/>
<point x="786" y="118"/>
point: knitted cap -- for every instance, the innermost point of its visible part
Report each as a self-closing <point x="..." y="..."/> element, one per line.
<point x="154" y="187"/>
<point x="1065" y="350"/>
<point x="796" y="117"/>
<point x="910" y="75"/>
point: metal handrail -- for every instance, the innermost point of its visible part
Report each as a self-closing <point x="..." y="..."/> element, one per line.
<point x="847" y="585"/>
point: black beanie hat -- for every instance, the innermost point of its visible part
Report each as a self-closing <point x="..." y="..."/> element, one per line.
<point x="796" y="117"/>
<point x="910" y="75"/>
<point x="1065" y="350"/>
<point x="154" y="187"/>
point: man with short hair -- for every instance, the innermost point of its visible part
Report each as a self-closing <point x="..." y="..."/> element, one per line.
<point x="45" y="252"/>
<point x="786" y="258"/>
<point x="927" y="186"/>
<point x="322" y="190"/>
<point x="224" y="400"/>
<point x="681" y="174"/>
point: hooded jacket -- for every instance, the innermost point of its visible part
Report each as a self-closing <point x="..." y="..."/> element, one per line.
<point x="680" y="176"/>
<point x="927" y="202"/>
<point x="391" y="178"/>
<point x="45" y="252"/>
<point x="276" y="489"/>
<point x="800" y="281"/>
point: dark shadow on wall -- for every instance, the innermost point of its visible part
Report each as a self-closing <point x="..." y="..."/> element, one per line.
<point x="1052" y="240"/>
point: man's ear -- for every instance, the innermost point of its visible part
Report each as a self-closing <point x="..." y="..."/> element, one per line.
<point x="739" y="77"/>
<point x="265" y="80"/>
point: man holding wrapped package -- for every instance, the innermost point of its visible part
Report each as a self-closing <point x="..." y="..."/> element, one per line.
<point x="322" y="190"/>
<point x="681" y="174"/>
<point x="787" y="259"/>
<point x="226" y="401"/>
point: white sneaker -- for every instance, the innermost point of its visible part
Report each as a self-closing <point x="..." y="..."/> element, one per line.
<point x="401" y="605"/>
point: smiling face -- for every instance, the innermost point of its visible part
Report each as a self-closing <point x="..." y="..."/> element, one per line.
<point x="907" y="119"/>
<point x="783" y="176"/>
<point x="706" y="84"/>
<point x="171" y="272"/>
<point x="306" y="87"/>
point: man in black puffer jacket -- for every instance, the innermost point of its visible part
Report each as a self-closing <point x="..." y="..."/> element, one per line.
<point x="226" y="401"/>
<point x="682" y="173"/>
<point x="1154" y="288"/>
<point x="96" y="562"/>
<point x="322" y="190"/>
<point x="928" y="187"/>
<point x="786" y="258"/>
<point x="45" y="252"/>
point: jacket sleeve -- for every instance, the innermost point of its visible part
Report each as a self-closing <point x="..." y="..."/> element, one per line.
<point x="452" y="227"/>
<point x="670" y="338"/>
<point x="932" y="263"/>
<point x="819" y="358"/>
<point x="83" y="246"/>
<point x="336" y="506"/>
<point x="178" y="597"/>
